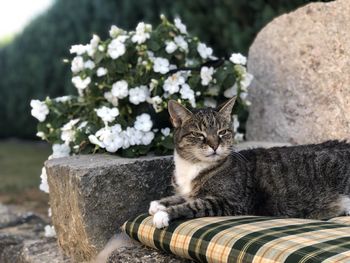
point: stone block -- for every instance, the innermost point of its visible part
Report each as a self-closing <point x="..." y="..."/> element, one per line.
<point x="91" y="195"/>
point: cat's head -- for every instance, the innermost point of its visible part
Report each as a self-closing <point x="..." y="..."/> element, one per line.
<point x="202" y="135"/>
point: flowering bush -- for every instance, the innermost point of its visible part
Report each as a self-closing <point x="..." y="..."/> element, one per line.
<point x="124" y="84"/>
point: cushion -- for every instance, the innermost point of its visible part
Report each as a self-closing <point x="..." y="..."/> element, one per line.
<point x="247" y="238"/>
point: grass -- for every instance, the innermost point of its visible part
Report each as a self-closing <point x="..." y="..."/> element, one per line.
<point x="20" y="169"/>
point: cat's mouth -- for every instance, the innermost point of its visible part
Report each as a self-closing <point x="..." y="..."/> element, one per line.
<point x="213" y="156"/>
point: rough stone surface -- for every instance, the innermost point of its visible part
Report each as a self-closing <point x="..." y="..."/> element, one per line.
<point x="91" y="195"/>
<point x="301" y="66"/>
<point x="22" y="238"/>
<point x="142" y="254"/>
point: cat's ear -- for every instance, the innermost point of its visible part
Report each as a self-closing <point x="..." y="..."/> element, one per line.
<point x="178" y="113"/>
<point x="226" y="108"/>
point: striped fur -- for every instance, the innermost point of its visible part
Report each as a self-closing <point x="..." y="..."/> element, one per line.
<point x="307" y="181"/>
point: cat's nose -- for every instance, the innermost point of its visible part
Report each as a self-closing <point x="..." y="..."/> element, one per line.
<point x="213" y="144"/>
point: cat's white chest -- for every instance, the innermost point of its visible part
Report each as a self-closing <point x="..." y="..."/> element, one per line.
<point x="185" y="172"/>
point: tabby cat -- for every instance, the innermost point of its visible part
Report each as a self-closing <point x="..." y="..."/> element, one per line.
<point x="211" y="179"/>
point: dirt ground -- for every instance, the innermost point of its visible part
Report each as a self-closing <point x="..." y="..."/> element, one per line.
<point x="20" y="169"/>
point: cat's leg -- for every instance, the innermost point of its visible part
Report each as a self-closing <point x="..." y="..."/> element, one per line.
<point x="162" y="204"/>
<point x="340" y="206"/>
<point x="209" y="206"/>
<point x="344" y="203"/>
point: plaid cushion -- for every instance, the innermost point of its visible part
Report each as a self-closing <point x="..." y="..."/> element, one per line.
<point x="248" y="239"/>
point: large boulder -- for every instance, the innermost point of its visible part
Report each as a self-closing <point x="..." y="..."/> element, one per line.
<point x="301" y="65"/>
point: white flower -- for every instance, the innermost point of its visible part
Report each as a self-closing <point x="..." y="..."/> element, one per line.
<point x="115" y="31"/>
<point x="95" y="41"/>
<point x="238" y="58"/>
<point x="82" y="126"/>
<point x="206" y="75"/>
<point x="165" y="131"/>
<point x="120" y="89"/>
<point x="132" y="137"/>
<point x="39" y="110"/>
<point x="50" y="231"/>
<point x="101" y="71"/>
<point x="161" y="65"/>
<point x="154" y="83"/>
<point x="115" y="143"/>
<point x="41" y="135"/>
<point x="151" y="56"/>
<point x="147" y="138"/>
<point x="188" y="93"/>
<point x="204" y="51"/>
<point x="246" y="80"/>
<point x="210" y="102"/>
<point x="80" y="83"/>
<point x="93" y="139"/>
<point x="116" y="49"/>
<point x="77" y="64"/>
<point x="138" y="94"/>
<point x="110" y="98"/>
<point x="92" y="47"/>
<point x="230" y="92"/>
<point x="182" y="28"/>
<point x="89" y="64"/>
<point x="78" y="49"/>
<point x="44" y="186"/>
<point x="122" y="38"/>
<point x="170" y="47"/>
<point x="173" y="82"/>
<point x="109" y="138"/>
<point x="142" y="33"/>
<point x="107" y="114"/>
<point x="68" y="131"/>
<point x="59" y="151"/>
<point x="181" y="43"/>
<point x="156" y="102"/>
<point x="235" y="123"/>
<point x="143" y="122"/>
<point x="63" y="99"/>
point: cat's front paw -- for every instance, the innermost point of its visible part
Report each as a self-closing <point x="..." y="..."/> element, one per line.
<point x="161" y="219"/>
<point x="154" y="207"/>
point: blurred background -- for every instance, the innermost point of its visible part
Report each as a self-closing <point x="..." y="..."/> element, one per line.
<point x="35" y="37"/>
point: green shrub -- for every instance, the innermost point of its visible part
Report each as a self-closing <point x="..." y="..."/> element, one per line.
<point x="124" y="85"/>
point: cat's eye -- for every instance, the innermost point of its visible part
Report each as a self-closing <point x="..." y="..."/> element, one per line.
<point x="198" y="135"/>
<point x="223" y="132"/>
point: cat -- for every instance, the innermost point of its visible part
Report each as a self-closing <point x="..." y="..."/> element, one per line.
<point x="211" y="179"/>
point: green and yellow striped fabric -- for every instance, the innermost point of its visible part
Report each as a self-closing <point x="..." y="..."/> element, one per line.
<point x="248" y="239"/>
